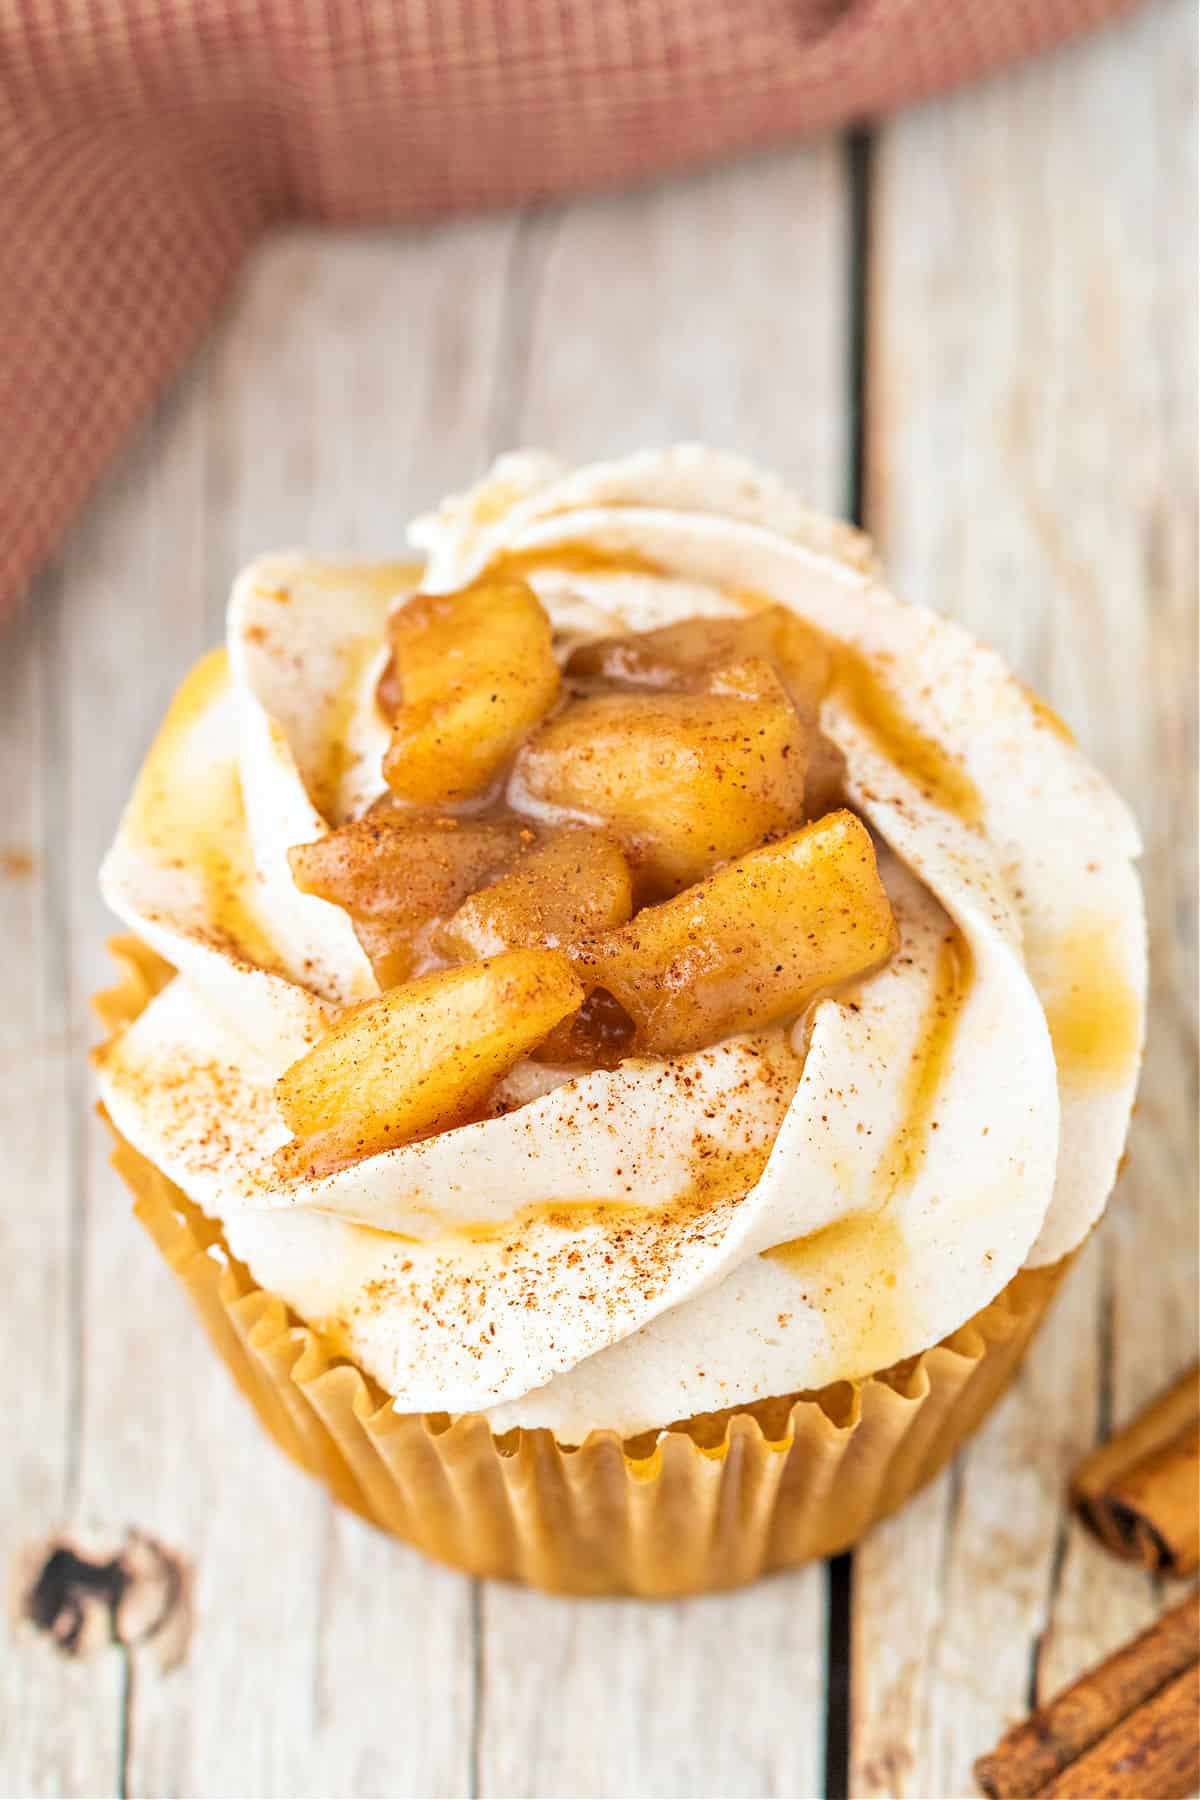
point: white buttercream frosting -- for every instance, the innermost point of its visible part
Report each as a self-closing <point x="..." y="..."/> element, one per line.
<point x="628" y="1247"/>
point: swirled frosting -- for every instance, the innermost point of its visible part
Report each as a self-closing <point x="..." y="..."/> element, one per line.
<point x="623" y="1248"/>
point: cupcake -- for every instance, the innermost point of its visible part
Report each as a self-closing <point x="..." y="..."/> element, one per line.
<point x="626" y="1023"/>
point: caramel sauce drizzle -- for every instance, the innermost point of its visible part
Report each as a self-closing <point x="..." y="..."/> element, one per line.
<point x="564" y="1215"/>
<point x="910" y="1141"/>
<point x="226" y="866"/>
<point x="712" y="1179"/>
<point x="201" y="824"/>
<point x="1093" y="1013"/>
<point x="1045" y="715"/>
<point x="876" y="709"/>
<point x="850" y="1254"/>
<point x="572" y="559"/>
<point x="862" y="1243"/>
<point x="325" y="782"/>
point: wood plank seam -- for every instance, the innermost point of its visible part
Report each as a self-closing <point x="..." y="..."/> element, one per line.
<point x="857" y="151"/>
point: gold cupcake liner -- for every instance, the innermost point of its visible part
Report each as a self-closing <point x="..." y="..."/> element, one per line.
<point x="711" y="1502"/>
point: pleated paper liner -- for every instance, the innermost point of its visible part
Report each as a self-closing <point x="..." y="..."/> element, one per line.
<point x="710" y="1502"/>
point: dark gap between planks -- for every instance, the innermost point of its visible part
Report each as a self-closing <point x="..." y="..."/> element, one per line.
<point x="840" y="1570"/>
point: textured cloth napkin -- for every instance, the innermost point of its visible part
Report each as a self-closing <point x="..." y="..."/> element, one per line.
<point x="146" y="144"/>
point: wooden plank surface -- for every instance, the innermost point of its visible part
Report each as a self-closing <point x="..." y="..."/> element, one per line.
<point x="41" y="1086"/>
<point x="1031" y="467"/>
<point x="1030" y="443"/>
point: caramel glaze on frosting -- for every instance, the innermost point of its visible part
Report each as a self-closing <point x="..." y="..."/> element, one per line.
<point x="626" y="1246"/>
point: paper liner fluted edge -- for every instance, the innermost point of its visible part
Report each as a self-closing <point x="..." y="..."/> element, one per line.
<point x="708" y="1503"/>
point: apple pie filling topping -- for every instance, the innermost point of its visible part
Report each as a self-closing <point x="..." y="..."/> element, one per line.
<point x="642" y="853"/>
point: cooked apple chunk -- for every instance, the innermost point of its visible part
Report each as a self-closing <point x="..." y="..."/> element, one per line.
<point x="753" y="943"/>
<point x="476" y="672"/>
<point x="419" y="1059"/>
<point x="684" y="781"/>
<point x="681" y="655"/>
<point x="575" y="881"/>
<point x="397" y="876"/>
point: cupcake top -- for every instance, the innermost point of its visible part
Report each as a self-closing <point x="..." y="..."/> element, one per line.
<point x="631" y="965"/>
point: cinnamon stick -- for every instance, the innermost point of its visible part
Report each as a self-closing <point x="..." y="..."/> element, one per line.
<point x="1154" y="1754"/>
<point x="1106" y="1718"/>
<point x="1140" y="1492"/>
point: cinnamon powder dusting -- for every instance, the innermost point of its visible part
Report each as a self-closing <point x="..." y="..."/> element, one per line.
<point x="588" y="1260"/>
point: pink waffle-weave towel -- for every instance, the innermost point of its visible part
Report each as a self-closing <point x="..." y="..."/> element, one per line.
<point x="146" y="144"/>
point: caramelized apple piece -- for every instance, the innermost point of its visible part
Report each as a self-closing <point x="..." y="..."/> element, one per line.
<point x="681" y="655"/>
<point x="684" y="780"/>
<point x="419" y="1059"/>
<point x="476" y="672"/>
<point x="687" y="654"/>
<point x="395" y="877"/>
<point x="754" y="943"/>
<point x="574" y="881"/>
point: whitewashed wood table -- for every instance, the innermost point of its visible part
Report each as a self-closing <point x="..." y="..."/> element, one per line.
<point x="974" y="325"/>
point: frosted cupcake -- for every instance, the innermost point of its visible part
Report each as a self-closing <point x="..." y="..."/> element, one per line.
<point x="627" y="1025"/>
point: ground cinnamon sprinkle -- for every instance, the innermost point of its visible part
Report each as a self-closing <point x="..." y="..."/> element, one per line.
<point x="541" y="1262"/>
<point x="213" y="1113"/>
